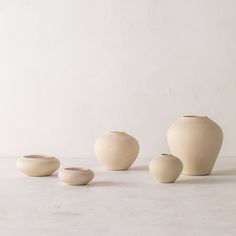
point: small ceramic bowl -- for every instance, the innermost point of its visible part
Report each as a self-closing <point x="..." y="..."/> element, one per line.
<point x="76" y="175"/>
<point x="37" y="165"/>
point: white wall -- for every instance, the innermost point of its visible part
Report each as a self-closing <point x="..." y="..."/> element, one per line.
<point x="71" y="70"/>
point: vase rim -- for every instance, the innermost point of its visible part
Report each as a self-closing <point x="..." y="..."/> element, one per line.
<point x="194" y="116"/>
<point x="117" y="132"/>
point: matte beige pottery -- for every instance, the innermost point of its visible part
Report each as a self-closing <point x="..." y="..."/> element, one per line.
<point x="166" y="168"/>
<point x="196" y="140"/>
<point x="76" y="176"/>
<point x="116" y="150"/>
<point x="37" y="165"/>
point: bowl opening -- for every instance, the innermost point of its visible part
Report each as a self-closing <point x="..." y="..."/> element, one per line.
<point x="38" y="156"/>
<point x="76" y="169"/>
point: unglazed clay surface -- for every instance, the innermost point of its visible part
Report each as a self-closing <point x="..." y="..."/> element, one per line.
<point x="166" y="168"/>
<point x="76" y="176"/>
<point x="196" y="140"/>
<point x="116" y="150"/>
<point x="37" y="165"/>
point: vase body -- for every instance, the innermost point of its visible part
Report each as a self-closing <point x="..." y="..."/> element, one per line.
<point x="37" y="165"/>
<point x="116" y="150"/>
<point x="196" y="140"/>
<point x="166" y="168"/>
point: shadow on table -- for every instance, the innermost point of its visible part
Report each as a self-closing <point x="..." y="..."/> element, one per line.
<point x="54" y="175"/>
<point x="225" y="172"/>
<point x="139" y="168"/>
<point x="105" y="183"/>
<point x="206" y="180"/>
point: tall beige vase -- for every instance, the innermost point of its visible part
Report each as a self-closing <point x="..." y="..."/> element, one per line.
<point x="196" y="140"/>
<point x="116" y="150"/>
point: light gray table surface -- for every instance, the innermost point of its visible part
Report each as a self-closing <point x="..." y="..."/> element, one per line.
<point x="118" y="203"/>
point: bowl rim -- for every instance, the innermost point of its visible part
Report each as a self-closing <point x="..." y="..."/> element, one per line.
<point x="38" y="156"/>
<point x="76" y="169"/>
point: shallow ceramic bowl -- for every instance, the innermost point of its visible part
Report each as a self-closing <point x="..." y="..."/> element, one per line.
<point x="76" y="175"/>
<point x="37" y="165"/>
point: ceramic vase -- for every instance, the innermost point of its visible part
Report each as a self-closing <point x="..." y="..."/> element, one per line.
<point x="76" y="176"/>
<point x="196" y="140"/>
<point x="116" y="150"/>
<point x="166" y="168"/>
<point x="37" y="165"/>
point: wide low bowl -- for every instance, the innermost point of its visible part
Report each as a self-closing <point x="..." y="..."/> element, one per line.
<point x="37" y="165"/>
<point x="76" y="175"/>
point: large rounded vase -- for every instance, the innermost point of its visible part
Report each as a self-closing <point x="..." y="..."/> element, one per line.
<point x="196" y="140"/>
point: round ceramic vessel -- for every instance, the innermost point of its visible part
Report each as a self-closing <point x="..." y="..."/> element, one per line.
<point x="166" y="168"/>
<point x="76" y="175"/>
<point x="37" y="165"/>
<point x="196" y="140"/>
<point x="116" y="150"/>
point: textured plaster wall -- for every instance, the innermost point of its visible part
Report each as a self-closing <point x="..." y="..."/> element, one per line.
<point x="73" y="70"/>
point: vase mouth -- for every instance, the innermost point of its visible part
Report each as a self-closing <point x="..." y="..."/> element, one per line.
<point x="35" y="156"/>
<point x="166" y="154"/>
<point x="194" y="116"/>
<point x="117" y="132"/>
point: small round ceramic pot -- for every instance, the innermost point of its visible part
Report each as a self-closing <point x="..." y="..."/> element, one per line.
<point x="116" y="150"/>
<point x="37" y="165"/>
<point x="76" y="175"/>
<point x="166" y="168"/>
